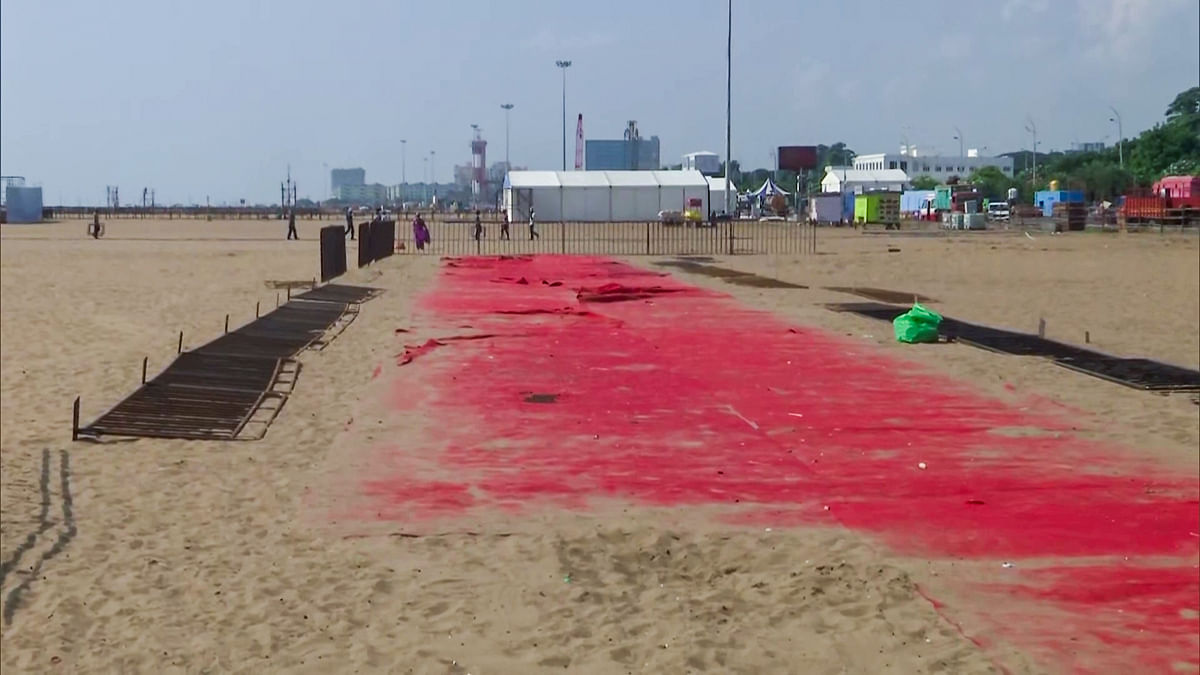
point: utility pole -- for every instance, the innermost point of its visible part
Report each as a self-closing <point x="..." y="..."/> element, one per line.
<point x="563" y="65"/>
<point x="958" y="136"/>
<point x="1120" y="136"/>
<point x="728" y="108"/>
<point x="1032" y="128"/>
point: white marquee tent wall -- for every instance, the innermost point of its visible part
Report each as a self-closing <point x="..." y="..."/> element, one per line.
<point x="597" y="196"/>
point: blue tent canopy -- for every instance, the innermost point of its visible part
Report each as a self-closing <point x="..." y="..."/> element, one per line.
<point x="769" y="189"/>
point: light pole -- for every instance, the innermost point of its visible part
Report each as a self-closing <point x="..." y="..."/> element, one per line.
<point x="563" y="65"/>
<point x="403" y="162"/>
<point x="1032" y="128"/>
<point x="729" y="109"/>
<point x="433" y="170"/>
<point x="958" y="136"/>
<point x="507" y="109"/>
<point x="1120" y="136"/>
<point x="425" y="175"/>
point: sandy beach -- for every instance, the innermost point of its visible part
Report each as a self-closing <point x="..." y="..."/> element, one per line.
<point x="178" y="556"/>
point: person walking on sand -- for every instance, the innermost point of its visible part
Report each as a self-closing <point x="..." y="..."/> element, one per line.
<point x="350" y="223"/>
<point x="420" y="232"/>
<point x="504" y="225"/>
<point x="292" y="234"/>
<point x="533" y="233"/>
<point x="478" y="226"/>
<point x="96" y="224"/>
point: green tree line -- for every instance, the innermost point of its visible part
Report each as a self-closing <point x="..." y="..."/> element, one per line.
<point x="1169" y="148"/>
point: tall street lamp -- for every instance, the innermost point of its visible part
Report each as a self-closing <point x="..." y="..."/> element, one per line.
<point x="728" y="106"/>
<point x="1032" y="128"/>
<point x="563" y="65"/>
<point x="507" y="109"/>
<point x="958" y="136"/>
<point x="433" y="170"/>
<point x="1120" y="136"/>
<point x="403" y="162"/>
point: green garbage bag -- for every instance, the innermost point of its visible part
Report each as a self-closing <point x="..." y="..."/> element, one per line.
<point x="917" y="325"/>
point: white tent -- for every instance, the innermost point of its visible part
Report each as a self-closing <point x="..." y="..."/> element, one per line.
<point x="603" y="195"/>
<point x="718" y="201"/>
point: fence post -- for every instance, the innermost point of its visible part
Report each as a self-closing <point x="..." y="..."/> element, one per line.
<point x="731" y="237"/>
<point x="647" y="237"/>
<point x="226" y="323"/>
<point x="562" y="230"/>
<point x="145" y="360"/>
<point x="75" y="420"/>
<point x="256" y="303"/>
<point x="179" y="349"/>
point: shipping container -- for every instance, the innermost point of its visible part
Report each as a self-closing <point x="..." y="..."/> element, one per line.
<point x="825" y="208"/>
<point x="915" y="203"/>
<point x="877" y="207"/>
<point x="952" y="197"/>
<point x="1046" y="199"/>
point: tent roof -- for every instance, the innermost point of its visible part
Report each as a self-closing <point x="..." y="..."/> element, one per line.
<point x="529" y="179"/>
<point x="769" y="188"/>
<point x="603" y="179"/>
<point x="689" y="178"/>
<point x="594" y="179"/>
<point x="631" y="178"/>
<point x="718" y="183"/>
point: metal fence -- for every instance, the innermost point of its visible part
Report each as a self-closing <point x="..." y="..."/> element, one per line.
<point x="645" y="238"/>
<point x="333" y="252"/>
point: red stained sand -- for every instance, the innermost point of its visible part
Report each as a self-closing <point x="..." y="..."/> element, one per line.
<point x="671" y="395"/>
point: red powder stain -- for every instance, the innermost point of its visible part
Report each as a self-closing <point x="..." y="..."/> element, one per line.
<point x="412" y="352"/>
<point x="377" y="371"/>
<point x="1139" y="619"/>
<point x="696" y="400"/>
<point x="428" y="497"/>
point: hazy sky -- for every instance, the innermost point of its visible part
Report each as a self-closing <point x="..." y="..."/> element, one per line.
<point x="217" y="97"/>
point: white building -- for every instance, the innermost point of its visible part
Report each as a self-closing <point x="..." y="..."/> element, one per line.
<point x="843" y="179"/>
<point x="599" y="196"/>
<point x="707" y="163"/>
<point x="373" y="194"/>
<point x="938" y="167"/>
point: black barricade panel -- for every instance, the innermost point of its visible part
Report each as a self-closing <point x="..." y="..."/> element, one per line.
<point x="333" y="252"/>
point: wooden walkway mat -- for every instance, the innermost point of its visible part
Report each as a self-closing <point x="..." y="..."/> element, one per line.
<point x="233" y="387"/>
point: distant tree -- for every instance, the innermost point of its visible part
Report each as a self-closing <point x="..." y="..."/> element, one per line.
<point x="924" y="183"/>
<point x="1184" y="167"/>
<point x="1185" y="103"/>
<point x="991" y="181"/>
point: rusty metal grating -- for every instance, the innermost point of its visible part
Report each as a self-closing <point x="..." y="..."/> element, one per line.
<point x="1144" y="374"/>
<point x="233" y="387"/>
<point x="731" y="276"/>
<point x="882" y="294"/>
<point x="339" y="293"/>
